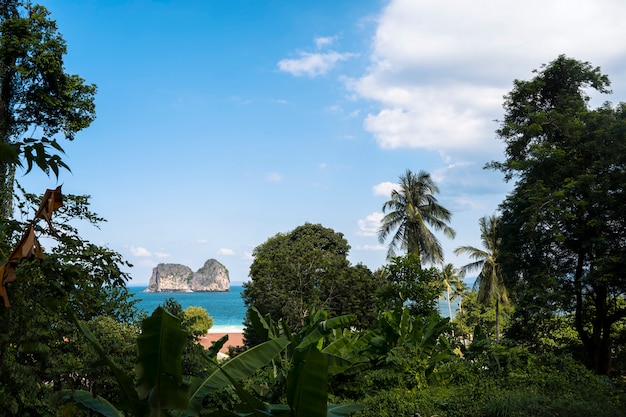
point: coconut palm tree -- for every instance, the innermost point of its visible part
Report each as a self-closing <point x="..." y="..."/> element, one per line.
<point x="450" y="276"/>
<point x="412" y="208"/>
<point x="458" y="290"/>
<point x="489" y="282"/>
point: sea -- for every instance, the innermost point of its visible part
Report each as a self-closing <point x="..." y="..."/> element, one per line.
<point x="226" y="308"/>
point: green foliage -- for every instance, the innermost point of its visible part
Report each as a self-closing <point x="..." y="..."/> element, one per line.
<point x="160" y="388"/>
<point x="40" y="351"/>
<point x="479" y="316"/>
<point x="159" y="367"/>
<point x="489" y="283"/>
<point x="297" y="273"/>
<point x="192" y="360"/>
<point x="564" y="224"/>
<point x="323" y="348"/>
<point x="407" y="350"/>
<point x="522" y="385"/>
<point x="412" y="208"/>
<point x="199" y="320"/>
<point x="118" y="342"/>
<point x="36" y="94"/>
<point x="405" y="283"/>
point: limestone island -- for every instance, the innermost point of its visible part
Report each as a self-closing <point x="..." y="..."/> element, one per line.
<point x="213" y="276"/>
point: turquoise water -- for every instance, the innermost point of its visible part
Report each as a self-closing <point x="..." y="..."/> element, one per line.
<point x="226" y="308"/>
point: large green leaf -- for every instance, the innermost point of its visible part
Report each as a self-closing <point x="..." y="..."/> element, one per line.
<point x="325" y="327"/>
<point x="87" y="400"/>
<point x="241" y="366"/>
<point x="159" y="369"/>
<point x="338" y="410"/>
<point x="307" y="384"/>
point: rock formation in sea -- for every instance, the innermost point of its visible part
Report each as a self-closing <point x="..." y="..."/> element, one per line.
<point x="213" y="276"/>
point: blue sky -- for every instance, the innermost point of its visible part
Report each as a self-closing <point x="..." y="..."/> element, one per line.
<point x="221" y="123"/>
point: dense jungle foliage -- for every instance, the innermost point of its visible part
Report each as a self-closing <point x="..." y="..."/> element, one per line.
<point x="542" y="331"/>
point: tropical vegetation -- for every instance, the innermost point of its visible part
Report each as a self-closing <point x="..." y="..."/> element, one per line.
<point x="325" y="337"/>
<point x="411" y="209"/>
<point x="489" y="282"/>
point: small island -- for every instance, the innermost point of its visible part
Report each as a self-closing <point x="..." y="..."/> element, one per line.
<point x="212" y="277"/>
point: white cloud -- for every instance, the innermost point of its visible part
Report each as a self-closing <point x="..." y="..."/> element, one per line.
<point x="384" y="188"/>
<point x="140" y="252"/>
<point x="439" y="69"/>
<point x="372" y="248"/>
<point x="162" y="255"/>
<point x="225" y="251"/>
<point x="323" y="41"/>
<point x="312" y="64"/>
<point x="202" y="241"/>
<point x="274" y="177"/>
<point x="369" y="225"/>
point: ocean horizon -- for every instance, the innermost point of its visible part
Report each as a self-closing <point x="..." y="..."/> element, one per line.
<point x="226" y="308"/>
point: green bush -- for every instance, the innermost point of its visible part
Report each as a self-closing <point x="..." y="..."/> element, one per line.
<point x="500" y="382"/>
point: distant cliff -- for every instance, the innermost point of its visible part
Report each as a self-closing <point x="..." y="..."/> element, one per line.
<point x="213" y="276"/>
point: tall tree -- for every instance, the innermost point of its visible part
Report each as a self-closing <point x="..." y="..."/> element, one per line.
<point x="295" y="274"/>
<point x="40" y="351"/>
<point x="459" y="290"/>
<point x="564" y="224"/>
<point x="489" y="282"/>
<point x="451" y="278"/>
<point x="39" y="101"/>
<point x="412" y="208"/>
<point x="407" y="284"/>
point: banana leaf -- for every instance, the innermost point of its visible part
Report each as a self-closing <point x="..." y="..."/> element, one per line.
<point x="159" y="369"/>
<point x="307" y="384"/>
<point x="241" y="366"/>
<point x="87" y="400"/>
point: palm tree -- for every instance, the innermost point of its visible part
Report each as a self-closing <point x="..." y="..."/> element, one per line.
<point x="411" y="208"/>
<point x="458" y="290"/>
<point x="489" y="281"/>
<point x="450" y="275"/>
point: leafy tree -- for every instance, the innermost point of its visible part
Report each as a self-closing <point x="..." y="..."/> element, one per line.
<point x="297" y="273"/>
<point x="199" y="320"/>
<point x="412" y="208"/>
<point x="564" y="224"/>
<point x="489" y="282"/>
<point x="406" y="284"/>
<point x="39" y="348"/>
<point x="354" y="293"/>
<point x="36" y="95"/>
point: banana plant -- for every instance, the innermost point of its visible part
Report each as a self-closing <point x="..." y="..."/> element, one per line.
<point x="160" y="389"/>
<point x="423" y="335"/>
<point x="322" y="348"/>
